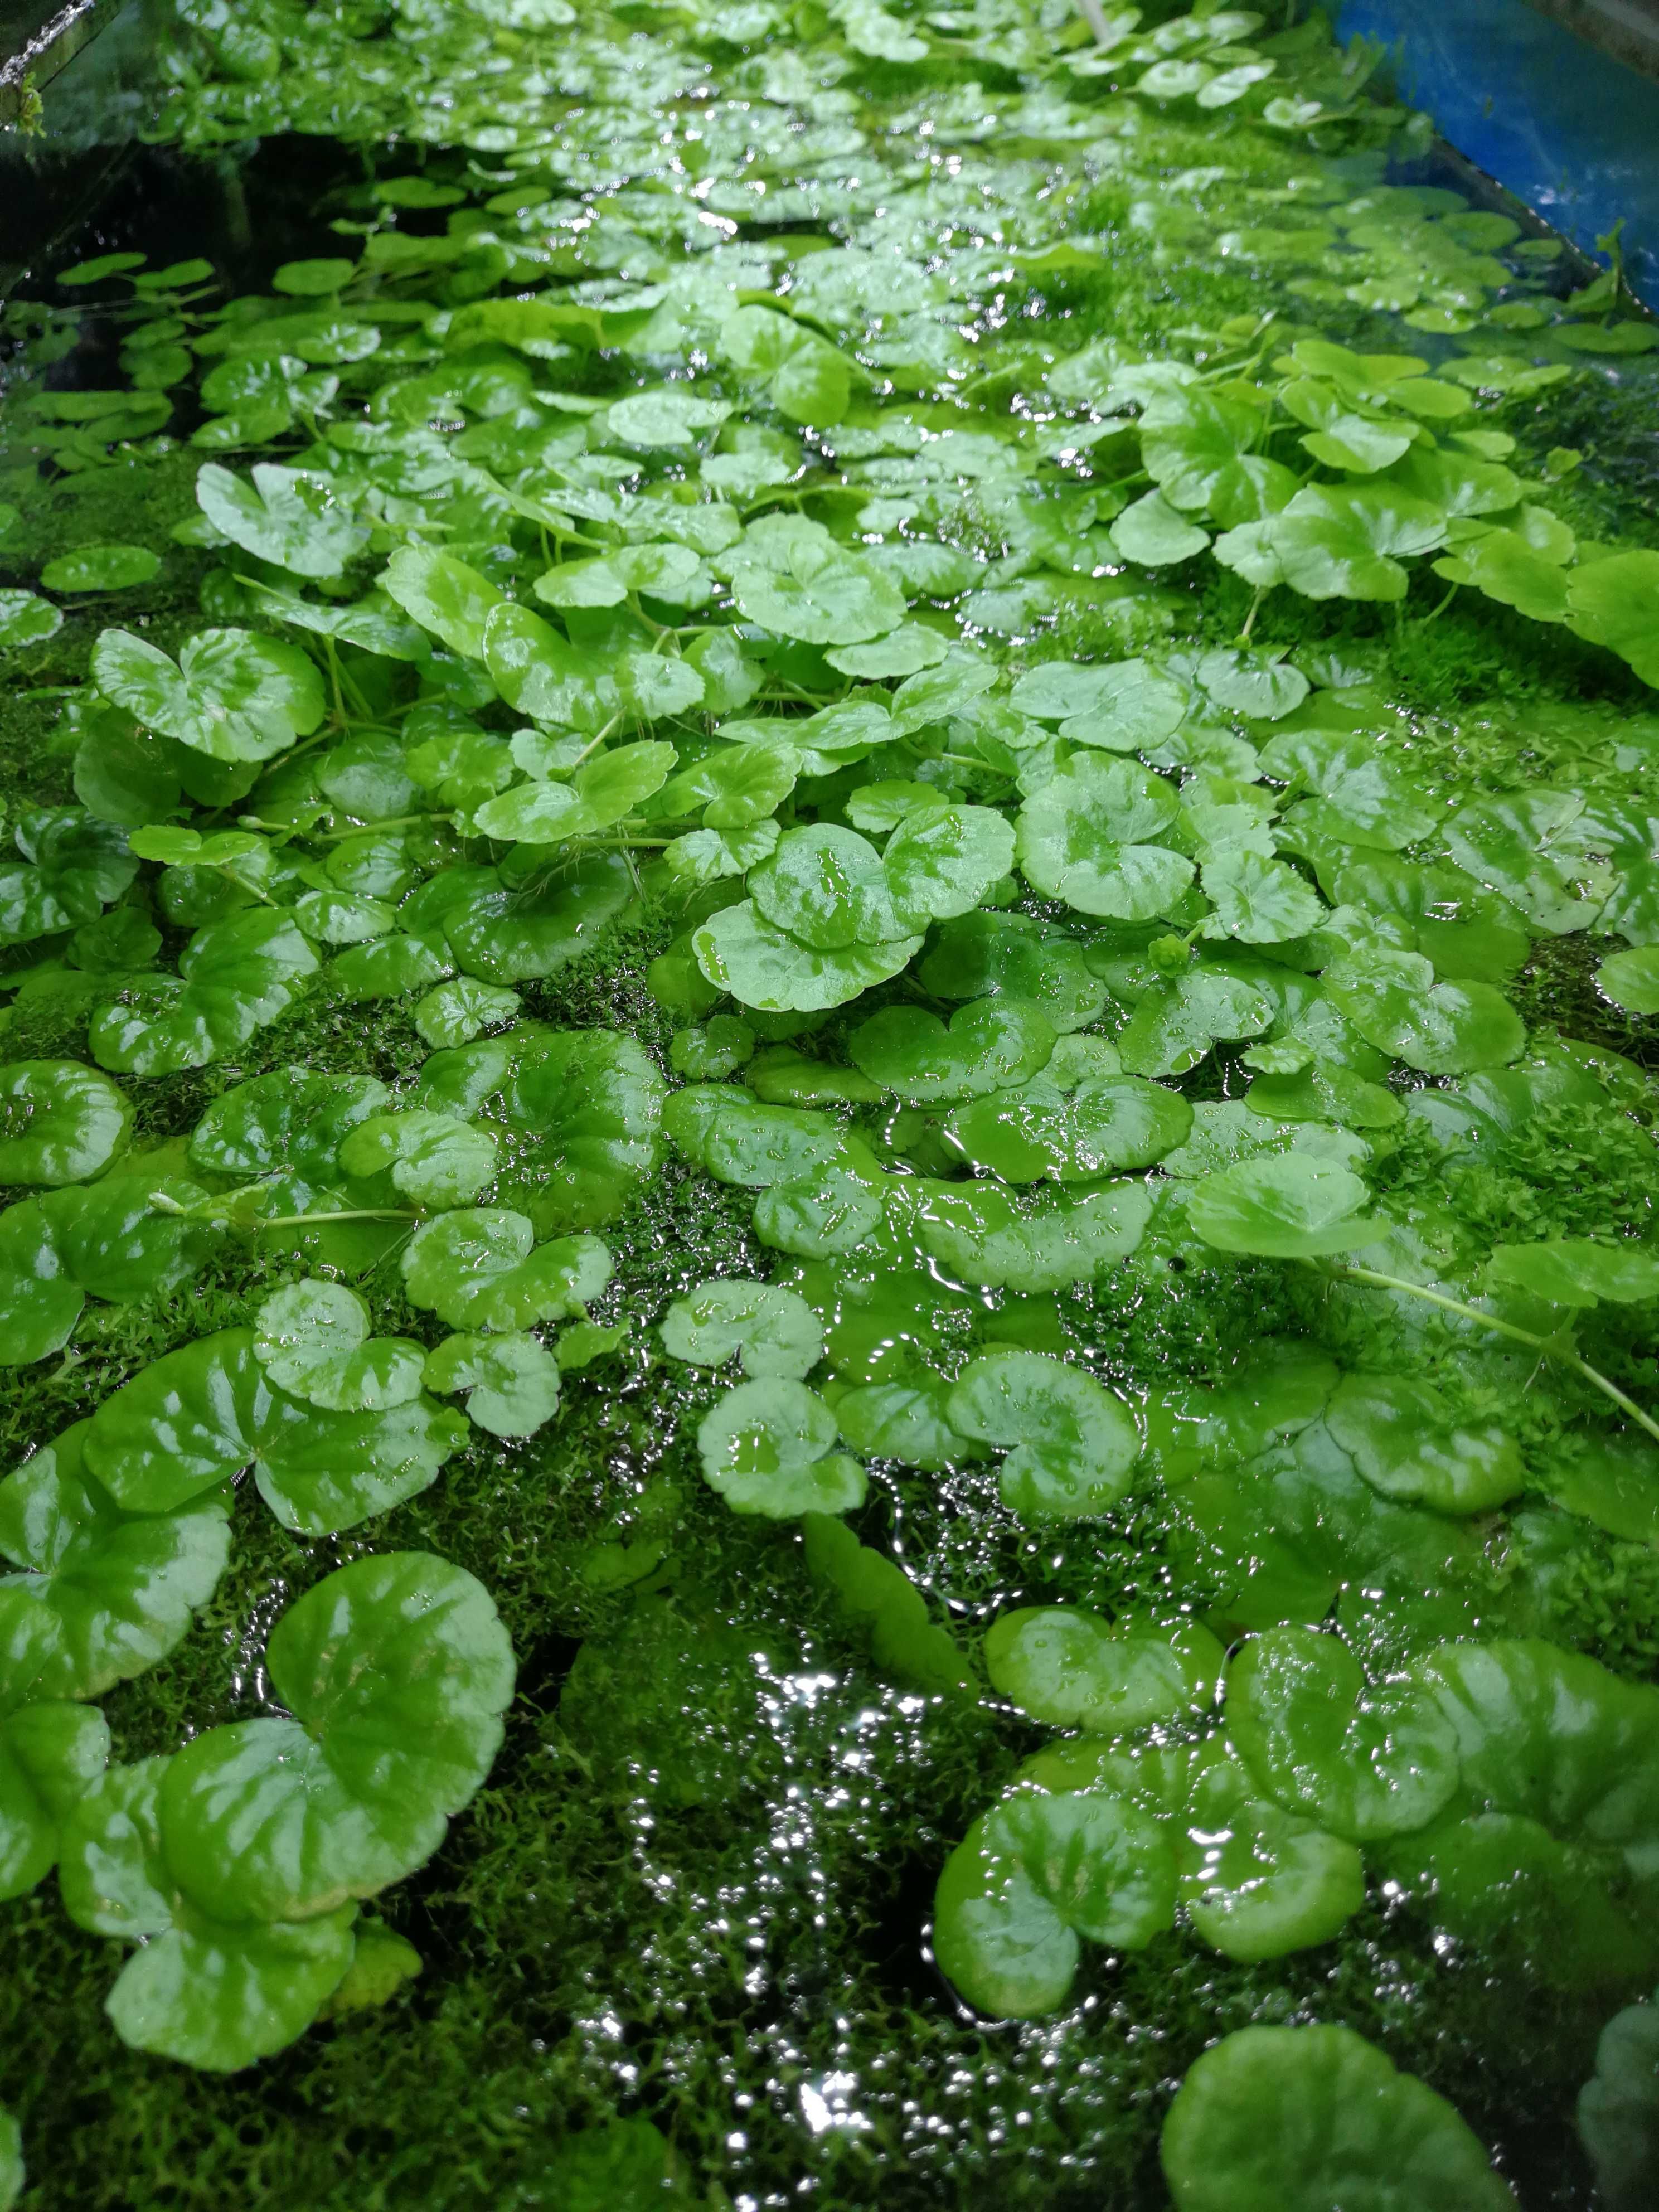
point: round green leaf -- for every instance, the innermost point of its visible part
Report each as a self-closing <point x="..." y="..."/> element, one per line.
<point x="312" y="1339"/>
<point x="1618" y="2109"/>
<point x="1284" y="1207"/>
<point x="1033" y="1876"/>
<point x="236" y="977"/>
<point x="800" y="584"/>
<point x="40" y="1300"/>
<point x="27" y="619"/>
<point x="430" y="1159"/>
<point x="1259" y="901"/>
<point x="220" y="1998"/>
<point x="59" y="1122"/>
<point x="1298" y="2119"/>
<point x="512" y="1382"/>
<point x="100" y="568"/>
<point x="1363" y="1763"/>
<point x="1406" y="1440"/>
<point x="579" y="1113"/>
<point x="321" y="1471"/>
<point x="455" y="1012"/>
<point x="980" y="1233"/>
<point x="1024" y="1134"/>
<point x="773" y="1331"/>
<point x="1123" y="707"/>
<point x="1616" y="602"/>
<point x="443" y="595"/>
<point x="767" y="1447"/>
<point x="1631" y="980"/>
<point x="1074" y="1446"/>
<point x="287" y="516"/>
<point x="1444" y="1028"/>
<point x="50" y="1756"/>
<point x="1085" y="838"/>
<point x="1573" y="1272"/>
<point x="285" y="1129"/>
<point x="942" y="861"/>
<point x="739" y="950"/>
<point x="1257" y="1882"/>
<point x="991" y="1043"/>
<point x="230" y="695"/>
<point x="1072" y="1668"/>
<point x="98" y="1595"/>
<point x="214" y="1995"/>
<point x="181" y="1426"/>
<point x="826" y="886"/>
<point x="476" y="1267"/>
<point x="1251" y="685"/>
<point x="396" y="1671"/>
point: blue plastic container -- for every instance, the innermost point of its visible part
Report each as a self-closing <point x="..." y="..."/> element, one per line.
<point x="1556" y="121"/>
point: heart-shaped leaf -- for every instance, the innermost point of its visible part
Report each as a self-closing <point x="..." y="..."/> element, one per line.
<point x="98" y="1595"/>
<point x="481" y="1268"/>
<point x="767" y="1447"/>
<point x="397" y="1671"/>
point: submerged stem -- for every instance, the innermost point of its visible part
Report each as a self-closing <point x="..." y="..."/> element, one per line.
<point x="1552" y="1348"/>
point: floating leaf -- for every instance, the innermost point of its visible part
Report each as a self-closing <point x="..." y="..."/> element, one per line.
<point x="990" y="1044"/>
<point x="476" y="1267"/>
<point x="286" y="517"/>
<point x="1296" y="2120"/>
<point x="980" y="1233"/>
<point x="1407" y="1441"/>
<point x="431" y="1160"/>
<point x="1086" y="837"/>
<point x="1283" y="1208"/>
<point x="396" y="1669"/>
<point x="1072" y="1668"/>
<point x="59" y="1122"/>
<point x="1033" y="1876"/>
<point x="1364" y="1764"/>
<point x="1574" y="1272"/>
<point x="512" y="1382"/>
<point x="741" y="952"/>
<point x="1444" y="1028"/>
<point x="773" y="1331"/>
<point x="236" y="977"/>
<point x="99" y="1595"/>
<point x="312" y="1340"/>
<point x="1036" y="1130"/>
<point x="443" y="595"/>
<point x="100" y="568"/>
<point x="1619" y="2109"/>
<point x="214" y="1994"/>
<point x="767" y="1447"/>
<point x="1074" y="1446"/>
<point x="27" y="619"/>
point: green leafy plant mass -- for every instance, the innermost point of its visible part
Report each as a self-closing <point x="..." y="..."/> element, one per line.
<point x="830" y="917"/>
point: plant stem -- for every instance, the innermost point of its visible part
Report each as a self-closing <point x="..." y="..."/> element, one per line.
<point x="1552" y="1348"/>
<point x="356" y="1213"/>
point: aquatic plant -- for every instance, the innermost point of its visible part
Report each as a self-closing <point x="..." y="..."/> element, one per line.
<point x="844" y="619"/>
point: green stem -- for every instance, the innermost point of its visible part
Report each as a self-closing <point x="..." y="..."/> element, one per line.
<point x="354" y="1213"/>
<point x="1551" y="1347"/>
